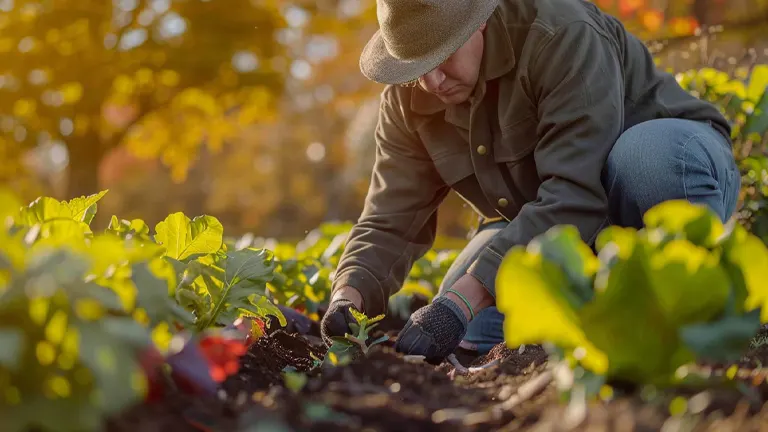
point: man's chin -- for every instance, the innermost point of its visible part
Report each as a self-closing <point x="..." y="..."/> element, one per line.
<point x="454" y="98"/>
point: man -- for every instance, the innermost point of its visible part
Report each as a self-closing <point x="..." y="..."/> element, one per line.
<point x="538" y="113"/>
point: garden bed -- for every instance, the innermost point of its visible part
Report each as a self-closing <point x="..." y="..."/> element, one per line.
<point x="385" y="391"/>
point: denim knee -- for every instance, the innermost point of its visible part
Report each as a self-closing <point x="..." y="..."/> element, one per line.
<point x="667" y="159"/>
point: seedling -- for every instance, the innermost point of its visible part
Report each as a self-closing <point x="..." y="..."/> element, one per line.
<point x="342" y="350"/>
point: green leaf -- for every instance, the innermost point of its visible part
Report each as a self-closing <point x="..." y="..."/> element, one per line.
<point x="626" y="322"/>
<point x="530" y="294"/>
<point x="758" y="82"/>
<point x="341" y="352"/>
<point x="237" y="282"/>
<point x="185" y="239"/>
<point x="12" y="341"/>
<point x="43" y="209"/>
<point x="83" y="208"/>
<point x="688" y="281"/>
<point x="682" y="219"/>
<point x="563" y="246"/>
<point x="725" y="340"/>
<point x="749" y="257"/>
<point x="152" y="296"/>
<point x="112" y="358"/>
<point x="757" y="121"/>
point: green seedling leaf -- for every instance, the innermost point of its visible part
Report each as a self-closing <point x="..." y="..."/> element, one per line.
<point x="757" y="121"/>
<point x="186" y="239"/>
<point x="724" y="340"/>
<point x="379" y="340"/>
<point x="341" y="352"/>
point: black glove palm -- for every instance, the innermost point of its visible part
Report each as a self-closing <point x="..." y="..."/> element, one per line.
<point x="433" y="331"/>
<point x="336" y="320"/>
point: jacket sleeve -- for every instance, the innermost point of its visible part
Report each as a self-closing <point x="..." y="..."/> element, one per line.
<point x="577" y="84"/>
<point x="398" y="222"/>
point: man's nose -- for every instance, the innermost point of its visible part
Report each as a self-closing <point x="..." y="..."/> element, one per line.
<point x="432" y="80"/>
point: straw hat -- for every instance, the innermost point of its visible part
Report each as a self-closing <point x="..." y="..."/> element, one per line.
<point x="415" y="36"/>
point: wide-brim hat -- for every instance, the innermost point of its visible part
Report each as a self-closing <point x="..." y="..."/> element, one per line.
<point x="416" y="36"/>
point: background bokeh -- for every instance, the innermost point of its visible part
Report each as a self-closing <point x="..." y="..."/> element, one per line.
<point x="253" y="111"/>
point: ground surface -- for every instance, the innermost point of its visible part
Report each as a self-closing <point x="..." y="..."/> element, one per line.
<point x="386" y="392"/>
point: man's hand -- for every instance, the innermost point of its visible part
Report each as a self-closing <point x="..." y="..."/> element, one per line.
<point x="436" y="330"/>
<point x="336" y="320"/>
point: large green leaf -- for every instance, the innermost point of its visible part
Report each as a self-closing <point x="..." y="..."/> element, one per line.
<point x="562" y="245"/>
<point x="84" y="208"/>
<point x="626" y="321"/>
<point x="43" y="209"/>
<point x="153" y="296"/>
<point x="688" y="282"/>
<point x="245" y="276"/>
<point x="749" y="258"/>
<point x="757" y="121"/>
<point x="81" y="209"/>
<point x="188" y="239"/>
<point x="725" y="340"/>
<point x="530" y="295"/>
<point x="112" y="358"/>
<point x="681" y="219"/>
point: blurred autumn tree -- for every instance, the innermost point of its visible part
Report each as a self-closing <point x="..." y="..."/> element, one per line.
<point x="162" y="76"/>
<point x="252" y="110"/>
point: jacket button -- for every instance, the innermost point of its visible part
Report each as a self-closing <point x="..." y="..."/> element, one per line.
<point x="482" y="150"/>
<point x="503" y="202"/>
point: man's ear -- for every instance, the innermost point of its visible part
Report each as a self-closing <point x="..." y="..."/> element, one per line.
<point x="482" y="27"/>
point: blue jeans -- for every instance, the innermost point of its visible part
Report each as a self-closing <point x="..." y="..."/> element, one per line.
<point x="651" y="162"/>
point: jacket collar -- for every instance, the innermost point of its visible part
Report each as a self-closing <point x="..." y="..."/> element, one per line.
<point x="498" y="59"/>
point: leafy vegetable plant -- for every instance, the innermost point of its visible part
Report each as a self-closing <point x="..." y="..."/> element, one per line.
<point x="89" y="319"/>
<point x="683" y="288"/>
<point x="345" y="349"/>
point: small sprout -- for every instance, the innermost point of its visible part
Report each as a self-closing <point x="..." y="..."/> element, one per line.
<point x="342" y="351"/>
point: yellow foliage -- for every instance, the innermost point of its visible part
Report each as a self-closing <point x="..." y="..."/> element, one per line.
<point x="169" y="78"/>
<point x="24" y="108"/>
<point x="6" y="45"/>
<point x="72" y="92"/>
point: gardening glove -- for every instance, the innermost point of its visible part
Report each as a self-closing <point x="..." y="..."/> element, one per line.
<point x="433" y="331"/>
<point x="336" y="320"/>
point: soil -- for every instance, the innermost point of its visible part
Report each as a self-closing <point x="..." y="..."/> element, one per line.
<point x="385" y="392"/>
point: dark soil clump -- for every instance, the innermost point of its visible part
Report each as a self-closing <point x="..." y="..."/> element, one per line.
<point x="264" y="362"/>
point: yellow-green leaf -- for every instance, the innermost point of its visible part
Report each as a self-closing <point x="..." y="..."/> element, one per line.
<point x="689" y="282"/>
<point x="694" y="222"/>
<point x="185" y="239"/>
<point x="529" y="294"/>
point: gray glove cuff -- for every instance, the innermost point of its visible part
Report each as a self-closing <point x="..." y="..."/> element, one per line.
<point x="453" y="308"/>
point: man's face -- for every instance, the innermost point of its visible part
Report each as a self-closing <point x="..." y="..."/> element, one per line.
<point x="453" y="81"/>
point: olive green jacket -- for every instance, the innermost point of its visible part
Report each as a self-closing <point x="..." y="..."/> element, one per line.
<point x="559" y="82"/>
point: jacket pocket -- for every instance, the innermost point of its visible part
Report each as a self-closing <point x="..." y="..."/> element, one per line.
<point x="516" y="141"/>
<point x="454" y="167"/>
